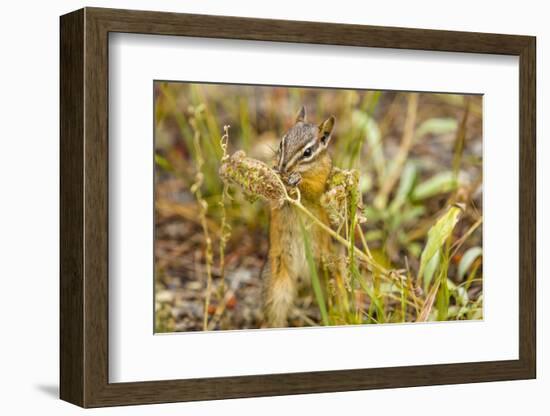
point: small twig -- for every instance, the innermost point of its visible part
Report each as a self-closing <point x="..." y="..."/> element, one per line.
<point x="304" y="317"/>
<point x="458" y="243"/>
<point x="220" y="309"/>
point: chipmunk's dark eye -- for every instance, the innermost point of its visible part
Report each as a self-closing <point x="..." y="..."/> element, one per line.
<point x="308" y="152"/>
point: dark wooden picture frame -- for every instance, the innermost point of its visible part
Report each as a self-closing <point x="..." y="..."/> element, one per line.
<point x="84" y="207"/>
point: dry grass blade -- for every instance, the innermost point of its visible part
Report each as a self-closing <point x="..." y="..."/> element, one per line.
<point x="203" y="209"/>
<point x="460" y="139"/>
<point x="428" y="304"/>
<point x="396" y="167"/>
<point x="458" y="243"/>
<point x="187" y="212"/>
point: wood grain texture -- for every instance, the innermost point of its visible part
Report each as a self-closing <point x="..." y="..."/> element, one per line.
<point x="84" y="207"/>
<point x="527" y="208"/>
<point x="71" y="185"/>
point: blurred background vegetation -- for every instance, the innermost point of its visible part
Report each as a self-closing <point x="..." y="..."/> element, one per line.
<point x="420" y="162"/>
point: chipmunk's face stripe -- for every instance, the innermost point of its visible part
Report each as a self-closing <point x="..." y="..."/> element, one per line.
<point x="303" y="143"/>
<point x="281" y="153"/>
<point x="299" y="156"/>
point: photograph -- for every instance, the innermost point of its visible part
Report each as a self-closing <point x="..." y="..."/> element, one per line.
<point x="307" y="206"/>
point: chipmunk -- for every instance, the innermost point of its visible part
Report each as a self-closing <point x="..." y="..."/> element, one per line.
<point x="302" y="154"/>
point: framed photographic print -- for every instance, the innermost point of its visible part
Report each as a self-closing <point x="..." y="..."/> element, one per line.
<point x="255" y="207"/>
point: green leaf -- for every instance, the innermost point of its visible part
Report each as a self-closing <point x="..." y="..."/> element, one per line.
<point x="374" y="214"/>
<point x="406" y="184"/>
<point x="374" y="235"/>
<point x="467" y="260"/>
<point x="437" y="235"/>
<point x="443" y="292"/>
<point x="369" y="127"/>
<point x="461" y="299"/>
<point x="431" y="267"/>
<point x="163" y="163"/>
<point x="439" y="184"/>
<point x="365" y="182"/>
<point x="414" y="248"/>
<point x="437" y="126"/>
<point x="315" y="281"/>
<point x="413" y="213"/>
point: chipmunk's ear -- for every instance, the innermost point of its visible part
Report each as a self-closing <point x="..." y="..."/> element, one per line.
<point x="325" y="130"/>
<point x="301" y="116"/>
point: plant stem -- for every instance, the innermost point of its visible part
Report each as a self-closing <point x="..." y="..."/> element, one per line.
<point x="203" y="208"/>
<point x="225" y="227"/>
<point x="364" y="241"/>
<point x="368" y="259"/>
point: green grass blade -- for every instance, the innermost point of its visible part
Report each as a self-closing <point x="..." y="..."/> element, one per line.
<point x="315" y="281"/>
<point x="406" y="184"/>
<point x="437" y="126"/>
<point x="371" y="131"/>
<point x="467" y="260"/>
<point x="376" y="303"/>
<point x="163" y="163"/>
<point x="438" y="184"/>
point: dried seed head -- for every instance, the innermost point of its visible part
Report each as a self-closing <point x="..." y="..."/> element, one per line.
<point x="254" y="177"/>
<point x="334" y="202"/>
<point x="343" y="188"/>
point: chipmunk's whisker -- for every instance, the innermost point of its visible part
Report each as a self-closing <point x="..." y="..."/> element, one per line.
<point x="273" y="150"/>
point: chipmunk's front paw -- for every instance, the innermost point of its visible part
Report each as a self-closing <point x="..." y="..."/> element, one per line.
<point x="293" y="179"/>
